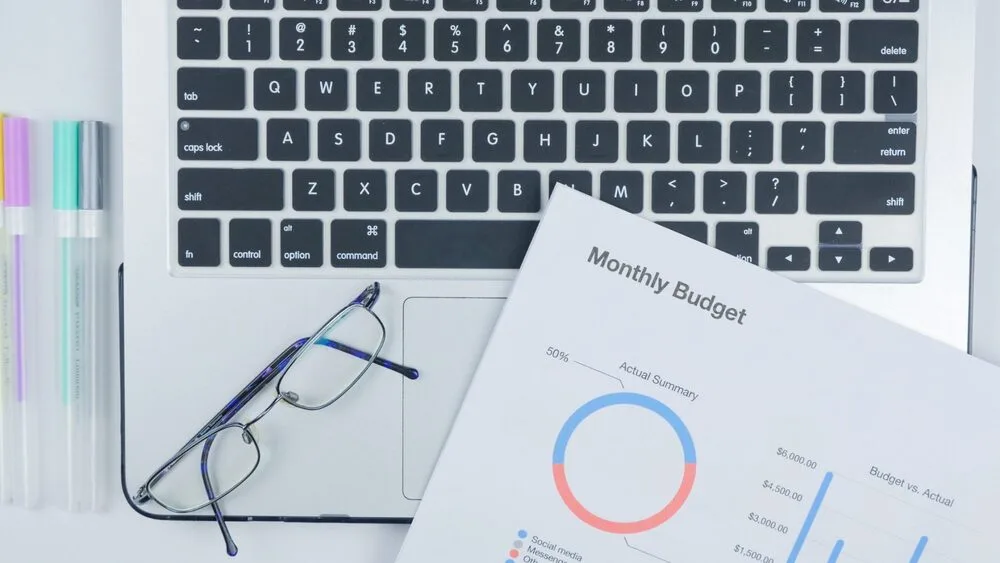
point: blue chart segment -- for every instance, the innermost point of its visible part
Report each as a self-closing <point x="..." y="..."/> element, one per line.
<point x="838" y="546"/>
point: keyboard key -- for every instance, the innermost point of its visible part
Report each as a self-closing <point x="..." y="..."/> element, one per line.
<point x="902" y="6"/>
<point x="377" y="89"/>
<point x="673" y="192"/>
<point x="734" y="5"/>
<point x="249" y="39"/>
<point x="365" y="190"/>
<point x="610" y="40"/>
<point x="411" y="5"/>
<point x="403" y="39"/>
<point x="583" y="91"/>
<point x="740" y="239"/>
<point x="647" y="141"/>
<point x="874" y="142"/>
<point x="306" y="4"/>
<point x="818" y="41"/>
<point x="776" y="192"/>
<point x="199" y="4"/>
<point x="493" y="141"/>
<point x="751" y="142"/>
<point x="199" y="38"/>
<point x="626" y="5"/>
<point x="882" y="41"/>
<point x="842" y="5"/>
<point x="302" y="243"/>
<point x="429" y="90"/>
<point x="635" y="91"/>
<point x="662" y="41"/>
<point x="352" y="39"/>
<point x="230" y="189"/>
<point x="579" y="180"/>
<point x="559" y="40"/>
<point x="507" y="40"/>
<point x="532" y="90"/>
<point x="839" y="259"/>
<point x="250" y="243"/>
<point x="765" y="41"/>
<point x="252" y="4"/>
<point x="787" y="5"/>
<point x="895" y="92"/>
<point x="596" y="141"/>
<point x="791" y="91"/>
<point x="725" y="192"/>
<point x="788" y="258"/>
<point x="519" y="191"/>
<point x="890" y="259"/>
<point x="687" y="91"/>
<point x="680" y="5"/>
<point x="211" y="88"/>
<point x="288" y="139"/>
<point x="803" y="142"/>
<point x="714" y="41"/>
<point x="699" y="142"/>
<point x="544" y="141"/>
<point x="339" y="140"/>
<point x="390" y="140"/>
<point x="860" y="193"/>
<point x="441" y="140"/>
<point x="217" y="139"/>
<point x="467" y="190"/>
<point x="843" y="91"/>
<point x="416" y="190"/>
<point x="455" y="40"/>
<point x="695" y="230"/>
<point x="300" y="39"/>
<point x="840" y="233"/>
<point x="274" y="89"/>
<point x="480" y="90"/>
<point x="519" y="5"/>
<point x="359" y="5"/>
<point x="462" y="244"/>
<point x="739" y="91"/>
<point x="313" y="190"/>
<point x="326" y="89"/>
<point x="465" y="5"/>
<point x="198" y="242"/>
<point x="623" y="189"/>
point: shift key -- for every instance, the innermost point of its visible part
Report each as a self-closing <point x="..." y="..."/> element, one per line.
<point x="217" y="139"/>
<point x="875" y="142"/>
<point x="230" y="189"/>
<point x="860" y="193"/>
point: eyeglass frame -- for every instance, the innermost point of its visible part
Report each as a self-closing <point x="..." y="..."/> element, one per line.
<point x="277" y="368"/>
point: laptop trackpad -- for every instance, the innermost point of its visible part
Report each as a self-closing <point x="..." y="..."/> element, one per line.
<point x="443" y="338"/>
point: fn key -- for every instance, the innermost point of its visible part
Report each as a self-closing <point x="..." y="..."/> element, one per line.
<point x="198" y="242"/>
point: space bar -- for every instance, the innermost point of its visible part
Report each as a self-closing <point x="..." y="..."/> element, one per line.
<point x="462" y="244"/>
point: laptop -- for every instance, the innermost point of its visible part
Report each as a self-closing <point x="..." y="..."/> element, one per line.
<point x="283" y="155"/>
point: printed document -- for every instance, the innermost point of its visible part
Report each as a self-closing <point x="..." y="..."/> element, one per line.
<point x="646" y="398"/>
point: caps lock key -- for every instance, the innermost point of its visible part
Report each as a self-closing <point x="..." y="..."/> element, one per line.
<point x="217" y="139"/>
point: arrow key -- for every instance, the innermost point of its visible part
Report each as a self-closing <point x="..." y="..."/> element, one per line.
<point x="840" y="259"/>
<point x="788" y="258"/>
<point x="891" y="259"/>
<point x="840" y="233"/>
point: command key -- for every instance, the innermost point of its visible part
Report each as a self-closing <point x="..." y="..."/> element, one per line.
<point x="357" y="243"/>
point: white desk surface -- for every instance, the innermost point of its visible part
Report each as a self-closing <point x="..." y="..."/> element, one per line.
<point x="83" y="36"/>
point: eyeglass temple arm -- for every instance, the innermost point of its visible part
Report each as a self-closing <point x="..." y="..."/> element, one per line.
<point x="407" y="372"/>
<point x="231" y="548"/>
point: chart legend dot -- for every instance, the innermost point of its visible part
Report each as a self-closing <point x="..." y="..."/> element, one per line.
<point x="522" y="534"/>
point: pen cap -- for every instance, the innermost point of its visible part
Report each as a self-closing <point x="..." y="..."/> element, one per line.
<point x="16" y="165"/>
<point x="65" y="160"/>
<point x="92" y="139"/>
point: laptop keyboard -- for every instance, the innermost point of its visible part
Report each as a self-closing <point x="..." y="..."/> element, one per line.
<point x="317" y="137"/>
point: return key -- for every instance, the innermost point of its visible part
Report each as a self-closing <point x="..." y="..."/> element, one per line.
<point x="874" y="142"/>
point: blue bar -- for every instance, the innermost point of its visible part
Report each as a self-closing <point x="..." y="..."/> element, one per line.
<point x="919" y="551"/>
<point x="837" y="548"/>
<point x="810" y="518"/>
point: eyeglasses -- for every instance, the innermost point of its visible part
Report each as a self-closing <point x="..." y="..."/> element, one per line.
<point x="224" y="453"/>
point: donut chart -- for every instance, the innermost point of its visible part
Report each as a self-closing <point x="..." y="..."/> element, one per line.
<point x="623" y="527"/>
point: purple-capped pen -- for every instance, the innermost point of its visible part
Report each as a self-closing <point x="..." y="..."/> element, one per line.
<point x="17" y="193"/>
